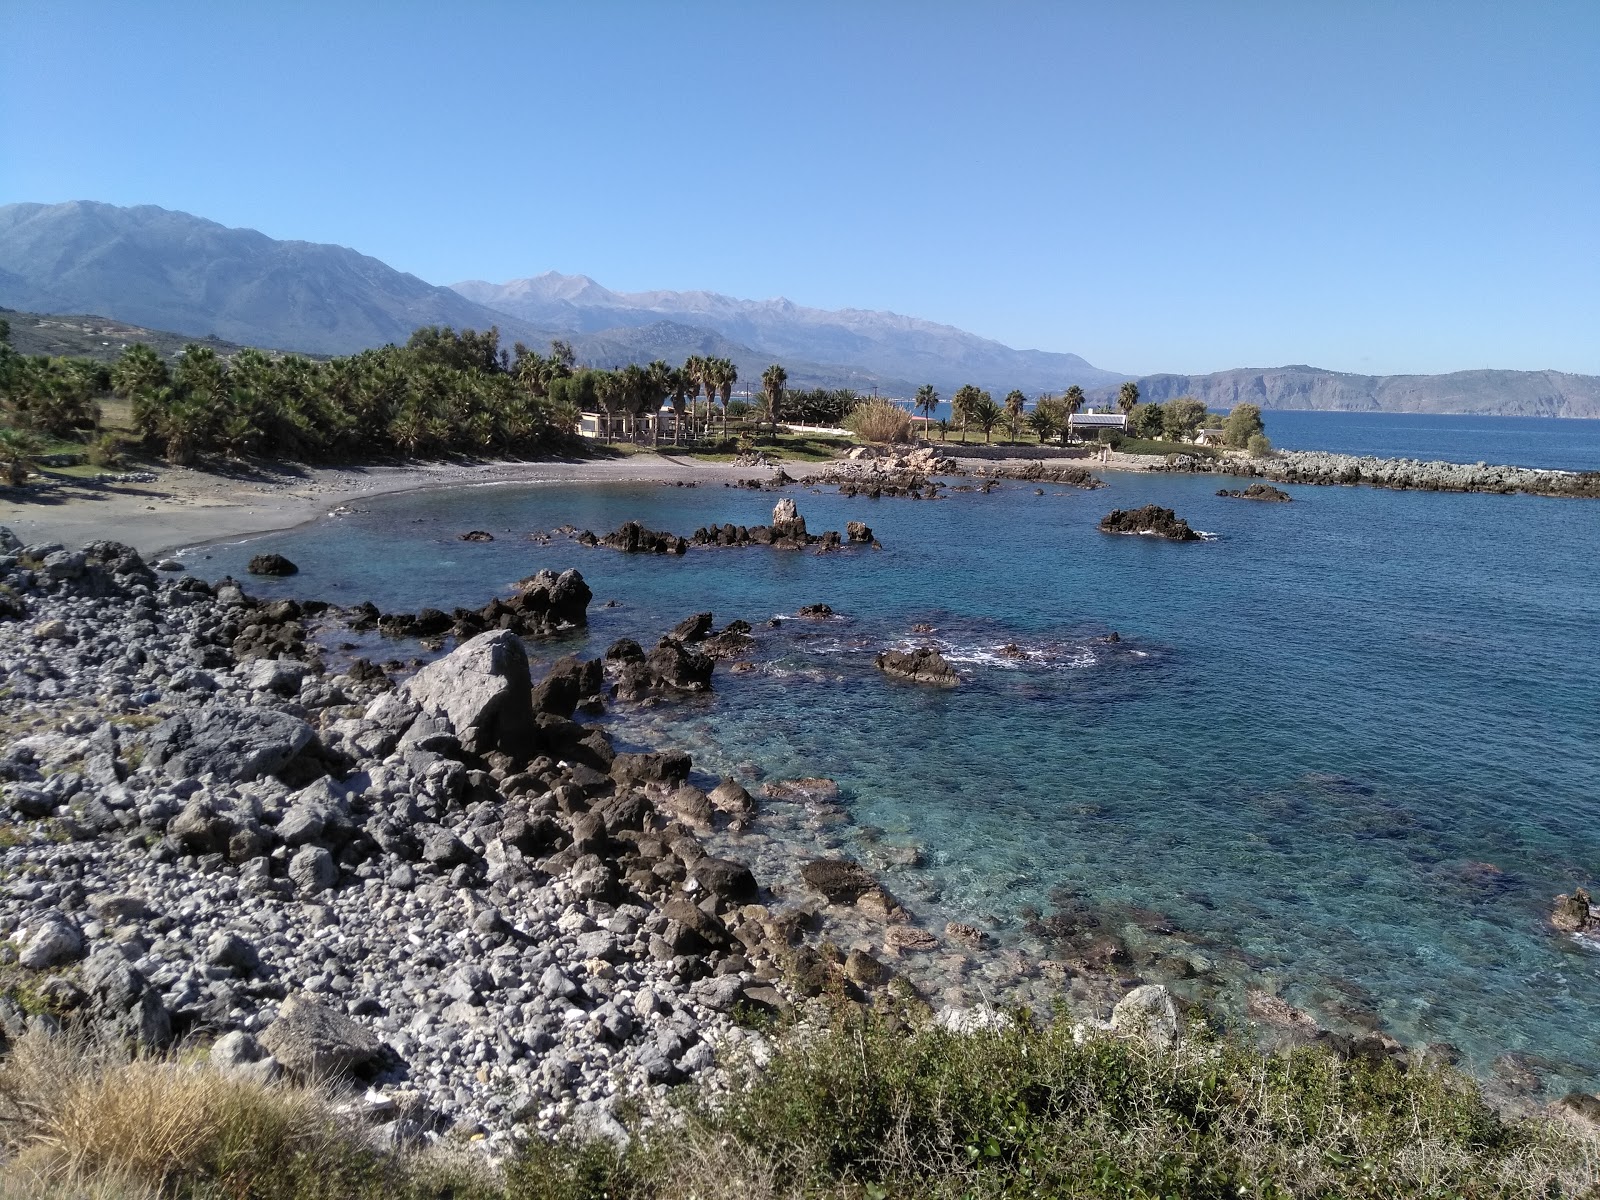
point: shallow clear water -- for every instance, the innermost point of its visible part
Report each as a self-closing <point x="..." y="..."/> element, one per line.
<point x="1315" y="734"/>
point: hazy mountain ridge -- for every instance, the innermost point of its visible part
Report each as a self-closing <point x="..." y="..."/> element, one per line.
<point x="169" y="270"/>
<point x="875" y="342"/>
<point x="1482" y="392"/>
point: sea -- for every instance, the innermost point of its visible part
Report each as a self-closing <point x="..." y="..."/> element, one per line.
<point x="1345" y="752"/>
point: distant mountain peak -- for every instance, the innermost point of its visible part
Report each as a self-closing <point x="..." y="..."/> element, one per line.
<point x="888" y="343"/>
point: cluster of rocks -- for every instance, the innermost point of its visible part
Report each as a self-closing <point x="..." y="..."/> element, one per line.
<point x="450" y="890"/>
<point x="921" y="665"/>
<point x="543" y="605"/>
<point x="875" y="472"/>
<point x="1321" y="467"/>
<point x="1152" y="521"/>
<point x="1035" y="471"/>
<point x="787" y="532"/>
<point x="1258" y="491"/>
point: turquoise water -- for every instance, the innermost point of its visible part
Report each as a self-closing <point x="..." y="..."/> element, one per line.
<point x="1349" y="750"/>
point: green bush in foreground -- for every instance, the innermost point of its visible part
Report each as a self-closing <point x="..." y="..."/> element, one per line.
<point x="870" y="1110"/>
<point x="866" y="1110"/>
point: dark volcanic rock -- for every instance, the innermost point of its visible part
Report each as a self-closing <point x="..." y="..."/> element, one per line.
<point x="477" y="535"/>
<point x="271" y="564"/>
<point x="922" y="665"/>
<point x="816" y="611"/>
<point x="1259" y="491"/>
<point x="1151" y="520"/>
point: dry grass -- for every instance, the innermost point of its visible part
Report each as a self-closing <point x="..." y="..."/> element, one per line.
<point x="879" y="421"/>
<point x="91" y="1121"/>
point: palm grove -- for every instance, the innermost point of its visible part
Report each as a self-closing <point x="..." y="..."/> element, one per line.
<point x="445" y="392"/>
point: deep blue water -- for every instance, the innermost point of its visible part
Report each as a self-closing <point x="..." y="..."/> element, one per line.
<point x="1351" y="748"/>
<point x="1569" y="445"/>
<point x="1559" y="444"/>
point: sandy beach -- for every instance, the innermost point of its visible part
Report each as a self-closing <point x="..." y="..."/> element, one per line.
<point x="184" y="507"/>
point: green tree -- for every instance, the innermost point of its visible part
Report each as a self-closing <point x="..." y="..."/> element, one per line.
<point x="1145" y="421"/>
<point x="1127" y="396"/>
<point x="1016" y="402"/>
<point x="1182" y="418"/>
<point x="17" y="448"/>
<point x="1042" y="420"/>
<point x="1056" y="410"/>
<point x="1259" y="446"/>
<point x="1243" y="423"/>
<point x="986" y="414"/>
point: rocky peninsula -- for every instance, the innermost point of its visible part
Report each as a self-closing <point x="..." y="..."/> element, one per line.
<point x="1322" y="468"/>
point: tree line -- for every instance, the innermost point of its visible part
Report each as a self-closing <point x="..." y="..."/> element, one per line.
<point x="442" y="392"/>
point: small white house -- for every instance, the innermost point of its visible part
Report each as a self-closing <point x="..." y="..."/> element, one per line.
<point x="1089" y="424"/>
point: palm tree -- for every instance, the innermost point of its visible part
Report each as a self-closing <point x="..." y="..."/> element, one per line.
<point x="610" y="393"/>
<point x="137" y="372"/>
<point x="1015" y="403"/>
<point x="17" y="448"/>
<point x="962" y="406"/>
<point x="678" y="386"/>
<point x="773" y="381"/>
<point x="1042" y="420"/>
<point x="659" y="377"/>
<point x="1128" y="397"/>
<point x="1071" y="402"/>
<point x="926" y="401"/>
<point x="694" y="373"/>
<point x="987" y="414"/>
<point x="727" y="376"/>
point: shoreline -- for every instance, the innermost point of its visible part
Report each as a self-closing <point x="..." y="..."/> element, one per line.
<point x="186" y="507"/>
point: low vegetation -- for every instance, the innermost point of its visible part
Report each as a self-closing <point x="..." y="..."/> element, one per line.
<point x="877" y="420"/>
<point x="874" y="1105"/>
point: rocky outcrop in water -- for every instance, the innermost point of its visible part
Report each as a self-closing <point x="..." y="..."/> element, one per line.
<point x="922" y="665"/>
<point x="1152" y="521"/>
<point x="1322" y="468"/>
<point x="271" y="564"/>
<point x="541" y="606"/>
<point x="1041" y="472"/>
<point x="633" y="538"/>
<point x="1575" y="912"/>
<point x="1259" y="491"/>
<point x="787" y="532"/>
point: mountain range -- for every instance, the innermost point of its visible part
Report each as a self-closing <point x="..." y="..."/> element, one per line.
<point x="161" y="270"/>
<point x="1485" y="393"/>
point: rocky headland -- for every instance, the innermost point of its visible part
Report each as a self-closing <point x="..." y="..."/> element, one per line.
<point x="1322" y="468"/>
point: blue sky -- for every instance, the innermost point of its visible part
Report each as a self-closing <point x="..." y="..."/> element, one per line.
<point x="1378" y="187"/>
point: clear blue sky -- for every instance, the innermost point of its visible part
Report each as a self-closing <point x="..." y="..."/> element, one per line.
<point x="1180" y="186"/>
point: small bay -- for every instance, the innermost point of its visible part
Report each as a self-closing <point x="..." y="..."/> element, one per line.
<point x="1348" y="751"/>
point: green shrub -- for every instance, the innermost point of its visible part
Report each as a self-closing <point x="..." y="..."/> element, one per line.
<point x="874" y="1109"/>
<point x="106" y="451"/>
<point x="1259" y="446"/>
